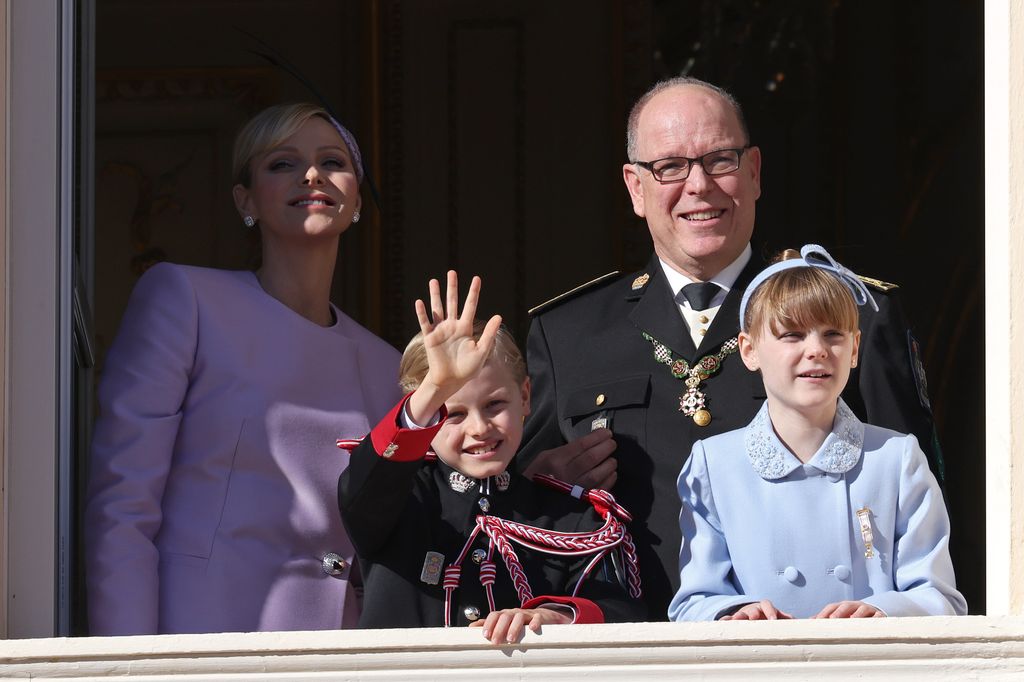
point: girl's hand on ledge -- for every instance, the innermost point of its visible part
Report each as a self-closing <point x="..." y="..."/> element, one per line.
<point x="762" y="610"/>
<point x="850" y="609"/>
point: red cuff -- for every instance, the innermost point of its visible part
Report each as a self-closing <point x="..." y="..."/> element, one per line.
<point x="587" y="612"/>
<point x="403" y="445"/>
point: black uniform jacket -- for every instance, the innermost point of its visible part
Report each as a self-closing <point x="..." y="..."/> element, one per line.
<point x="396" y="511"/>
<point x="589" y="349"/>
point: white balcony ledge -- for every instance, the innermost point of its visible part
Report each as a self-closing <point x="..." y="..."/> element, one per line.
<point x="898" y="648"/>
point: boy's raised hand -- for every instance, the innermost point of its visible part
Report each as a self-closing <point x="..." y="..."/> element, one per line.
<point x="454" y="357"/>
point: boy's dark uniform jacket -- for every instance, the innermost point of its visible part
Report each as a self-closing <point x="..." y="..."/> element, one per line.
<point x="589" y="360"/>
<point x="396" y="511"/>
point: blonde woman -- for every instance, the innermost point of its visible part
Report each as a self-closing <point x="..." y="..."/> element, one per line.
<point x="211" y="496"/>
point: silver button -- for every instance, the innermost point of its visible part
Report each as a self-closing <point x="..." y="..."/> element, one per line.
<point x="472" y="613"/>
<point x="842" y="572"/>
<point x="479" y="555"/>
<point x="333" y="564"/>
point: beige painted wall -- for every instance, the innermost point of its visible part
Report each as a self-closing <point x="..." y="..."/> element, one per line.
<point x="1016" y="229"/>
<point x="1004" y="310"/>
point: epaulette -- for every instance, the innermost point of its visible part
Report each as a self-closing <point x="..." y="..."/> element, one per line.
<point x="571" y="293"/>
<point x="878" y="284"/>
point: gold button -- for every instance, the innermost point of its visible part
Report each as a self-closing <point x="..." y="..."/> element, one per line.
<point x="599" y="401"/>
<point x="701" y="417"/>
<point x="702" y="332"/>
<point x="703" y="319"/>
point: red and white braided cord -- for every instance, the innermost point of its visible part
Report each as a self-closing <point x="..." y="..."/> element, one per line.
<point x="601" y="499"/>
<point x="566" y="544"/>
<point x="508" y="553"/>
<point x="605" y="505"/>
<point x="453" y="574"/>
<point x="600" y="542"/>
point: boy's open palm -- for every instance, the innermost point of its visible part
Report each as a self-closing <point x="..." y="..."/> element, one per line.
<point x="452" y="353"/>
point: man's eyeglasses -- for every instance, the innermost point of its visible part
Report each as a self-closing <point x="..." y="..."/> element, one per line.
<point x="677" y="168"/>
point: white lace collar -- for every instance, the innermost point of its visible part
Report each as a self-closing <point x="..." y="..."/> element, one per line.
<point x="837" y="455"/>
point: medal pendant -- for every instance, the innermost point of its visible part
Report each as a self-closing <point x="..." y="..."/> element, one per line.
<point x="691" y="401"/>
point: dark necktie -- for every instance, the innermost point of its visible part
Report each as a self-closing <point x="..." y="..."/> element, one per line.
<point x="700" y="294"/>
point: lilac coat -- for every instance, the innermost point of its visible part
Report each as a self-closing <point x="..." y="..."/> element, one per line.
<point x="214" y="460"/>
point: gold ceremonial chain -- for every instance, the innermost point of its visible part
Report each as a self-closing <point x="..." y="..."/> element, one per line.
<point x="692" y="402"/>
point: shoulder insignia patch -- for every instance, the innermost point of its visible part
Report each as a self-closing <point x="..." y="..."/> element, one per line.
<point x="878" y="284"/>
<point x="917" y="367"/>
<point x="571" y="293"/>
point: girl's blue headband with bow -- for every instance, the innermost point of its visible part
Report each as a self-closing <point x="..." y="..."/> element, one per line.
<point x="811" y="256"/>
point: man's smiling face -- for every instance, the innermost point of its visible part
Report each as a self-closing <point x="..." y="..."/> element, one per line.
<point x="702" y="224"/>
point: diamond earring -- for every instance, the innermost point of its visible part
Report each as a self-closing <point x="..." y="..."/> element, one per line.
<point x="249" y="221"/>
<point x="355" y="217"/>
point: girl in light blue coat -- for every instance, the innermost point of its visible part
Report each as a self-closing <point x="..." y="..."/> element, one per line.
<point x="807" y="512"/>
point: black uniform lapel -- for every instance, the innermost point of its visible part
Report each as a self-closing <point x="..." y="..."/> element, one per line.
<point x="657" y="314"/>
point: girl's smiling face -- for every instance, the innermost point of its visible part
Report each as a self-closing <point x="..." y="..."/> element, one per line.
<point x="485" y="422"/>
<point x="804" y="370"/>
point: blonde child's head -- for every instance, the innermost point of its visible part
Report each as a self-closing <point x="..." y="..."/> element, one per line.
<point x="798" y="321"/>
<point x="799" y="298"/>
<point x="484" y="426"/>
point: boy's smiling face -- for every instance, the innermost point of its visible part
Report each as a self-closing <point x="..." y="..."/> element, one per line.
<point x="804" y="370"/>
<point x="485" y="422"/>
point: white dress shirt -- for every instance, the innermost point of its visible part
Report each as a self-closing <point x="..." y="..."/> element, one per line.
<point x="698" y="321"/>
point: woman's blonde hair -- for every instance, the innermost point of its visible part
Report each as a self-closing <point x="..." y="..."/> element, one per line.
<point x="413" y="367"/>
<point x="267" y="130"/>
<point x="800" y="298"/>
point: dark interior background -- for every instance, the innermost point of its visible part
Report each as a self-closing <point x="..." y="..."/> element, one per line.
<point x="495" y="132"/>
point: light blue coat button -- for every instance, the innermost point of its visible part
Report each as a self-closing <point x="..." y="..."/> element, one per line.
<point x="842" y="572"/>
<point x="791" y="574"/>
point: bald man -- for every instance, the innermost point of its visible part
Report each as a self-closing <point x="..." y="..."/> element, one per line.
<point x="615" y="359"/>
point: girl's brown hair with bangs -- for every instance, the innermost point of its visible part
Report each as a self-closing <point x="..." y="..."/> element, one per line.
<point x="800" y="298"/>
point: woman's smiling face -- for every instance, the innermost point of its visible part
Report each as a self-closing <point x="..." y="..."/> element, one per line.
<point x="304" y="187"/>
